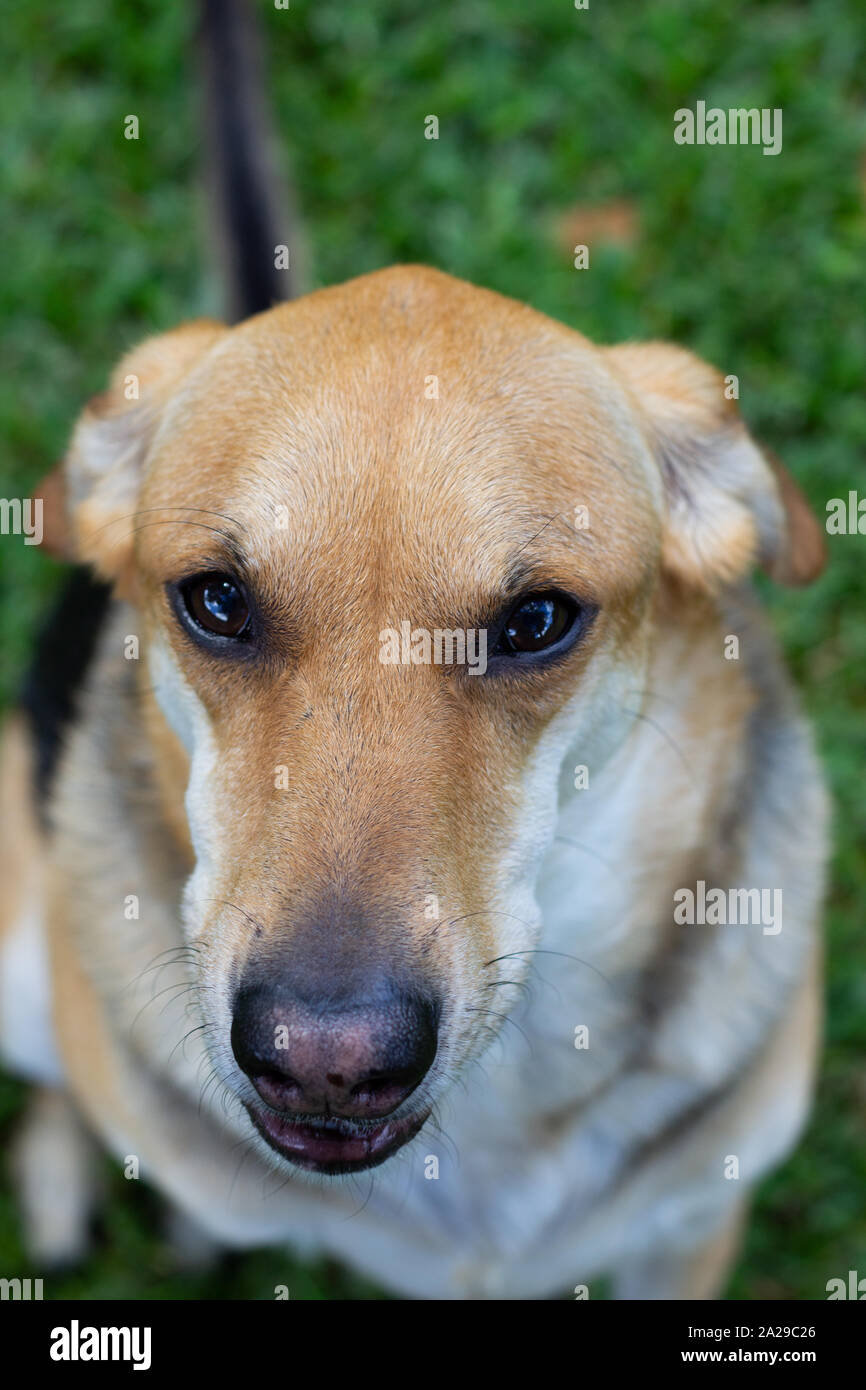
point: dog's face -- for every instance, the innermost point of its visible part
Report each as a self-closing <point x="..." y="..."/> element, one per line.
<point x="396" y="548"/>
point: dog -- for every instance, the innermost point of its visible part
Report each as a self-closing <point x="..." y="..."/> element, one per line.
<point x="379" y="955"/>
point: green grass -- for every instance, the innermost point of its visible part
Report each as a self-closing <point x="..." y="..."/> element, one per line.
<point x="757" y="263"/>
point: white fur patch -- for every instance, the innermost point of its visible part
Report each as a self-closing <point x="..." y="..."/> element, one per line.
<point x="28" y="1044"/>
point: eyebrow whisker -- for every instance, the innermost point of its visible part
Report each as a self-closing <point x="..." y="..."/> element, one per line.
<point x="174" y="521"/>
<point x="145" y="511"/>
<point x="557" y="516"/>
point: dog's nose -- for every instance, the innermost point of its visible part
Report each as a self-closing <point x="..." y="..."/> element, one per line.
<point x="356" y="1059"/>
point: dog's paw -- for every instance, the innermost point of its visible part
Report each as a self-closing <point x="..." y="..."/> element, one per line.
<point x="55" y="1170"/>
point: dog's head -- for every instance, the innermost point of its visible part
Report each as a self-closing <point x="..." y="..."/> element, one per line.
<point x="396" y="549"/>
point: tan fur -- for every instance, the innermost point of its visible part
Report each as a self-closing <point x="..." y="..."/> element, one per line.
<point x="20" y="845"/>
<point x="307" y="441"/>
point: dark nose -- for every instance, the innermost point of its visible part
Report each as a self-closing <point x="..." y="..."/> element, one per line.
<point x="358" y="1058"/>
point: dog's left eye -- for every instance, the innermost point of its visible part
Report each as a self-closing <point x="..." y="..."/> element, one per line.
<point x="537" y="622"/>
<point x="216" y="603"/>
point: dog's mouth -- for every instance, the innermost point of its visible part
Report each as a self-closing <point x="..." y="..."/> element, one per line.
<point x="330" y="1145"/>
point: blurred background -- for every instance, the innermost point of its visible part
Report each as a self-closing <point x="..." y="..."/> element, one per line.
<point x="556" y="128"/>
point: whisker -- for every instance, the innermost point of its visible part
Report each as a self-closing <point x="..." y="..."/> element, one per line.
<point x="557" y="516"/>
<point x="504" y="1018"/>
<point x="489" y="912"/>
<point x="542" y="951"/>
<point x="224" y="902"/>
<point x="202" y="1027"/>
<point x="145" y="511"/>
<point x="587" y="849"/>
<point x="645" y="718"/>
<point x="514" y="984"/>
<point x="217" y="530"/>
<point x="176" y="952"/>
<point x="443" y="1135"/>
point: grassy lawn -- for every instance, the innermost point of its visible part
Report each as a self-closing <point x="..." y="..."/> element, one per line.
<point x="547" y="114"/>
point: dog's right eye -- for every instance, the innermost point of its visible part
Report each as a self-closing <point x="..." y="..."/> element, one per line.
<point x="216" y="603"/>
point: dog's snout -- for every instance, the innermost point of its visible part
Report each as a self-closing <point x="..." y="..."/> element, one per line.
<point x="358" y="1058"/>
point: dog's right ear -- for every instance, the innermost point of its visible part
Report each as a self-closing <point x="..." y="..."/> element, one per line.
<point x="108" y="451"/>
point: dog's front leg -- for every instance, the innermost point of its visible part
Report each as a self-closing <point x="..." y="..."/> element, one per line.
<point x="698" y="1273"/>
<point x="55" y="1166"/>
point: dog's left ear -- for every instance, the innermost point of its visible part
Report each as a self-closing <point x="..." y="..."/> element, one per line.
<point x="107" y="456"/>
<point x="51" y="495"/>
<point x="729" y="506"/>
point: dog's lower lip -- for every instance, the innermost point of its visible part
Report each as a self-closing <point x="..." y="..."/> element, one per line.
<point x="332" y="1145"/>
